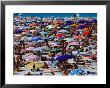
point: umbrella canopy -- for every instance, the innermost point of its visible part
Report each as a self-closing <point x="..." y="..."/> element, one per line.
<point x="69" y="39"/>
<point x="78" y="37"/>
<point x="41" y="49"/>
<point x="59" y="35"/>
<point x="74" y="43"/>
<point x="23" y="33"/>
<point x="18" y="31"/>
<point x="67" y="26"/>
<point x="64" y="57"/>
<point x="44" y="33"/>
<point x="81" y="27"/>
<point x="30" y="49"/>
<point x="86" y="33"/>
<point x="74" y="25"/>
<point x="50" y="26"/>
<point x="36" y="64"/>
<point x="40" y="41"/>
<point x="26" y="55"/>
<point x="63" y="31"/>
<point x="86" y="29"/>
<point x="23" y="50"/>
<point x="76" y="72"/>
<point x="32" y="58"/>
<point x="36" y="38"/>
<point x="17" y="35"/>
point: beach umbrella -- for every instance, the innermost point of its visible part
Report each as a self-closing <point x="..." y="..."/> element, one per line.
<point x="57" y="50"/>
<point x="51" y="37"/>
<point x="62" y="31"/>
<point x="64" y="57"/>
<point x="44" y="33"/>
<point x="33" y="24"/>
<point x="32" y="58"/>
<point x="45" y="47"/>
<point x="30" y="49"/>
<point x="36" y="38"/>
<point x="59" y="35"/>
<point x="81" y="21"/>
<point x="78" y="37"/>
<point x="86" y="29"/>
<point x="40" y="41"/>
<point x="23" y="50"/>
<point x="33" y="31"/>
<point x="52" y="43"/>
<point x="26" y="55"/>
<point x="93" y="20"/>
<point x="86" y="33"/>
<point x="37" y="65"/>
<point x="41" y="49"/>
<point x="66" y="26"/>
<point x="29" y="38"/>
<point x="74" y="25"/>
<point x="74" y="43"/>
<point x="23" y="38"/>
<point x="81" y="27"/>
<point x="69" y="39"/>
<point x="76" y="72"/>
<point x="17" y="35"/>
<point x="50" y="26"/>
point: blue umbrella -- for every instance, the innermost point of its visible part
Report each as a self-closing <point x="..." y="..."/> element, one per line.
<point x="81" y="27"/>
<point x="64" y="57"/>
<point x="94" y="20"/>
<point x="76" y="72"/>
<point x="18" y="31"/>
<point x="81" y="21"/>
<point x="36" y="38"/>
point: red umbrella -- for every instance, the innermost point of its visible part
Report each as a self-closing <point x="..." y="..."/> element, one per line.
<point x="78" y="37"/>
<point x="59" y="35"/>
<point x="86" y="33"/>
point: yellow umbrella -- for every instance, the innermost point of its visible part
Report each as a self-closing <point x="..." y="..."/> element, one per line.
<point x="37" y="65"/>
<point x="74" y="25"/>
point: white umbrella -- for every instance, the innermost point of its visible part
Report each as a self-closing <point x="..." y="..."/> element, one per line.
<point x="63" y="31"/>
<point x="39" y="49"/>
<point x="33" y="58"/>
<point x="50" y="26"/>
<point x="69" y="39"/>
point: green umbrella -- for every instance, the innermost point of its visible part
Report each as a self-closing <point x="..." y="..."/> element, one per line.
<point x="57" y="50"/>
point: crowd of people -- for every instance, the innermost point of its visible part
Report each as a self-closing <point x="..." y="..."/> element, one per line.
<point x="54" y="44"/>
